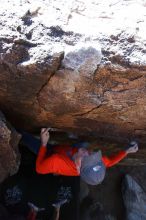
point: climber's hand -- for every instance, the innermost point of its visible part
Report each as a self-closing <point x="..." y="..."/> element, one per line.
<point x="132" y="149"/>
<point x="45" y="136"/>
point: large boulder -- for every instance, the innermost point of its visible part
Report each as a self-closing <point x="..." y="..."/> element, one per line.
<point x="134" y="197"/>
<point x="9" y="153"/>
<point x="75" y="65"/>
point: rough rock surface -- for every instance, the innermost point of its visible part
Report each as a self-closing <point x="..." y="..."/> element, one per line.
<point x="9" y="154"/>
<point x="134" y="199"/>
<point x="75" y="65"/>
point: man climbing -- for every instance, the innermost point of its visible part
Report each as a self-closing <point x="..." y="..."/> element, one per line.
<point x="69" y="161"/>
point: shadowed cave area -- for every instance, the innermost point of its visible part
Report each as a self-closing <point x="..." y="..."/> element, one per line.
<point x="105" y="201"/>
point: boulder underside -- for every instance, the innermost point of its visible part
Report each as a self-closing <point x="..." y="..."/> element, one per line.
<point x="56" y="73"/>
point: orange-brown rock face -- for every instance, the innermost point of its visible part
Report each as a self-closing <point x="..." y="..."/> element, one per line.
<point x="110" y="103"/>
<point x="53" y="75"/>
<point x="9" y="154"/>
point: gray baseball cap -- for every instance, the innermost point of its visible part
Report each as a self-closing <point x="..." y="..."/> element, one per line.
<point x="93" y="169"/>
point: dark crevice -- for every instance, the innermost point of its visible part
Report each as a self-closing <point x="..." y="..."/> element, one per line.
<point x="136" y="77"/>
<point x="25" y="43"/>
<point x="49" y="78"/>
<point x="42" y="87"/>
<point x="7" y="40"/>
<point x="120" y="91"/>
<point x="85" y="113"/>
<point x="95" y="71"/>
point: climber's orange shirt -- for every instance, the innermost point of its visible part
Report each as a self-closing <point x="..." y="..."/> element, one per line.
<point x="60" y="162"/>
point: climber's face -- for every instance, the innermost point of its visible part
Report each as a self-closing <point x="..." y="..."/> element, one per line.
<point x="82" y="152"/>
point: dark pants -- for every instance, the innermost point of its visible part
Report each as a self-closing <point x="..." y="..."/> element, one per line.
<point x="50" y="187"/>
<point x="31" y="142"/>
